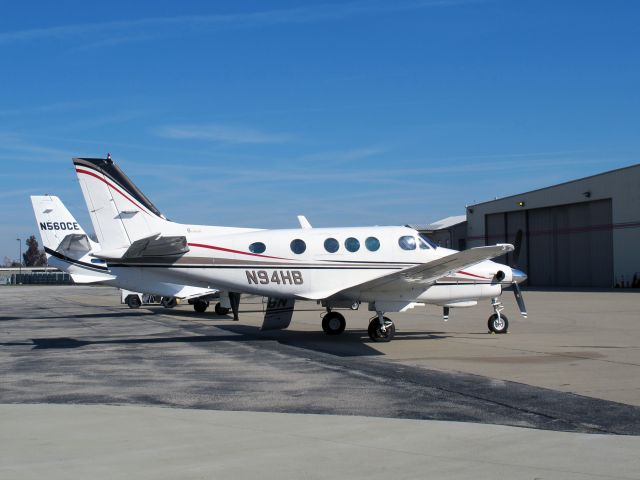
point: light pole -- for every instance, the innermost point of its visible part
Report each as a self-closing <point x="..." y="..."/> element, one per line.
<point x="20" y="260"/>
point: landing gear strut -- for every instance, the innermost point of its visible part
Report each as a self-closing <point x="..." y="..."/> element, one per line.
<point x="498" y="323"/>
<point x="333" y="323"/>
<point x="381" y="328"/>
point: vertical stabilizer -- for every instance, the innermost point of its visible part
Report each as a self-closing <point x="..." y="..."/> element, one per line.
<point x="65" y="242"/>
<point x="120" y="212"/>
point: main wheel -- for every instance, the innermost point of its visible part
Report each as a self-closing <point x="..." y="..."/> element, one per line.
<point x="200" y="305"/>
<point x="498" y="324"/>
<point x="375" y="332"/>
<point x="220" y="310"/>
<point x="333" y="323"/>
<point x="168" y="302"/>
<point x="133" y="301"/>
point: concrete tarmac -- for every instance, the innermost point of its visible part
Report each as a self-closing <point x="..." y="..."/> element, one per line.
<point x="107" y="442"/>
<point x="572" y="367"/>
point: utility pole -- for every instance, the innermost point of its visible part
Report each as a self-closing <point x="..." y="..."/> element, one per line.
<point x="20" y="260"/>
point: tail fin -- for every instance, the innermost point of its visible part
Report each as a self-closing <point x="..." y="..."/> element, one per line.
<point x="121" y="214"/>
<point x="65" y="242"/>
<point x="55" y="222"/>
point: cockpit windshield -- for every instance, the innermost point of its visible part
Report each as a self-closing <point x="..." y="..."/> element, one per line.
<point x="425" y="242"/>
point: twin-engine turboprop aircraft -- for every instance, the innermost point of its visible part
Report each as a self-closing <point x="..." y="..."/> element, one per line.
<point x="391" y="269"/>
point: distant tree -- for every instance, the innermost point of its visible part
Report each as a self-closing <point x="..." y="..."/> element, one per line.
<point x="10" y="263"/>
<point x="34" y="257"/>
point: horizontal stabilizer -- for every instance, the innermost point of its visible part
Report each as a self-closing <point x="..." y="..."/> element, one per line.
<point x="152" y="246"/>
<point x="74" y="245"/>
<point x="157" y="246"/>
<point x="79" y="278"/>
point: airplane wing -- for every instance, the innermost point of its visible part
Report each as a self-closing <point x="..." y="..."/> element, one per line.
<point x="426" y="274"/>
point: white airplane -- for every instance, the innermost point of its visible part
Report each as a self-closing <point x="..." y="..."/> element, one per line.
<point x="391" y="269"/>
<point x="70" y="249"/>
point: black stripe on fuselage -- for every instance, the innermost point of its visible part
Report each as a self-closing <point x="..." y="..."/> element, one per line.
<point x="73" y="261"/>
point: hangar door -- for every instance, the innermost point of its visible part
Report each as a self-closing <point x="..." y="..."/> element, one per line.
<point x="564" y="246"/>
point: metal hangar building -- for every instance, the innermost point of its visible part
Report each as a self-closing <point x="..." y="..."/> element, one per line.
<point x="582" y="233"/>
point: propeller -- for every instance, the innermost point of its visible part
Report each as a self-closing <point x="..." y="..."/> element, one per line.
<point x="518" y="276"/>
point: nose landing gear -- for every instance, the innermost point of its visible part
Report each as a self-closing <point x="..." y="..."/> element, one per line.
<point x="497" y="323"/>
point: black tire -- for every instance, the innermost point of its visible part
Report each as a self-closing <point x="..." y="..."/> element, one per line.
<point x="169" y="302"/>
<point x="220" y="310"/>
<point x="376" y="334"/>
<point x="200" y="306"/>
<point x="133" y="301"/>
<point x="498" y="326"/>
<point x="333" y="323"/>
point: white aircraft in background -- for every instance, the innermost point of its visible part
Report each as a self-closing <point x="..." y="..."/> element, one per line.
<point x="391" y="269"/>
<point x="70" y="249"/>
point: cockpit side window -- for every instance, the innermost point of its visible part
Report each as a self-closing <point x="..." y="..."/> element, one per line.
<point x="425" y="242"/>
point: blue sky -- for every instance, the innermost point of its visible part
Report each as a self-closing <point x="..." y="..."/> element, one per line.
<point x="352" y="113"/>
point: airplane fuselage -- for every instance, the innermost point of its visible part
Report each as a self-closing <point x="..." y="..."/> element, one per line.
<point x="302" y="263"/>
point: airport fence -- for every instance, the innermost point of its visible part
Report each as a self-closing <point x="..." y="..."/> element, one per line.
<point x="41" y="276"/>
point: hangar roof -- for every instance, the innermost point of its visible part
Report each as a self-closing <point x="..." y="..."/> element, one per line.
<point x="630" y="167"/>
<point x="441" y="224"/>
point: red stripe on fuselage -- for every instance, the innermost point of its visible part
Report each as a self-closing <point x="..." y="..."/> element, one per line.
<point x="473" y="275"/>
<point x="87" y="172"/>
<point x="222" y="249"/>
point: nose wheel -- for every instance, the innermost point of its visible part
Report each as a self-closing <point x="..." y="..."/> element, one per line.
<point x="498" y="323"/>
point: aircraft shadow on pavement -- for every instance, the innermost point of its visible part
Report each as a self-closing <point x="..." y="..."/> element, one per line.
<point x="351" y="343"/>
<point x="68" y="342"/>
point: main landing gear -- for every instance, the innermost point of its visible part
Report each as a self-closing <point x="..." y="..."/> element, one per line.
<point x="200" y="305"/>
<point x="333" y="323"/>
<point x="498" y="323"/>
<point x="381" y="328"/>
<point x="220" y="310"/>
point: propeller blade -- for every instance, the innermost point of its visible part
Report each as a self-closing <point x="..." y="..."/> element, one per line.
<point x="519" y="300"/>
<point x="515" y="256"/>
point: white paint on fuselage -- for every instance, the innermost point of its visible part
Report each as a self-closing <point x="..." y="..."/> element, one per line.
<point x="322" y="273"/>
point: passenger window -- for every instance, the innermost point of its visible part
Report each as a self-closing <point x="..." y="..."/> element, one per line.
<point x="407" y="242"/>
<point x="331" y="245"/>
<point x="372" y="244"/>
<point x="298" y="246"/>
<point x="352" y="244"/>
<point x="257" y="247"/>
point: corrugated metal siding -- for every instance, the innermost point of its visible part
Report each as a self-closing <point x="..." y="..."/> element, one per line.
<point x="567" y="245"/>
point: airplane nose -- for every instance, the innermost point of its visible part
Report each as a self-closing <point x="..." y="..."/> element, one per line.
<point x="518" y="276"/>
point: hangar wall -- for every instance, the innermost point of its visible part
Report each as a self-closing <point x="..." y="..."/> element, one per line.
<point x="583" y="233"/>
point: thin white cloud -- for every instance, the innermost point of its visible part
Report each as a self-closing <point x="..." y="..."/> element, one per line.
<point x="48" y="108"/>
<point x="221" y="133"/>
<point x="145" y="28"/>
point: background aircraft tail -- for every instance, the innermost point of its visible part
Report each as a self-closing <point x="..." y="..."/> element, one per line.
<point x="121" y="214"/>
<point x="65" y="242"/>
